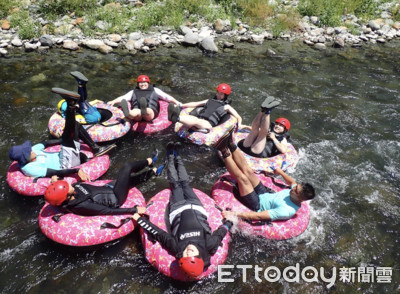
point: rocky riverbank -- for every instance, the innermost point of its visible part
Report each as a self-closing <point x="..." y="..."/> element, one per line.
<point x="208" y="37"/>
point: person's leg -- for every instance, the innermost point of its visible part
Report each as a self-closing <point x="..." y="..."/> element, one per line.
<point x="194" y="122"/>
<point x="124" y="181"/>
<point x="259" y="143"/>
<point x="255" y="126"/>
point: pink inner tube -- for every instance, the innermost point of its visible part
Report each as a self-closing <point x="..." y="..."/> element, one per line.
<point x="283" y="161"/>
<point x="109" y="130"/>
<point x="200" y="138"/>
<point x="277" y="230"/>
<point x="160" y="258"/>
<point x="160" y="123"/>
<point x="76" y="230"/>
<point x="30" y="186"/>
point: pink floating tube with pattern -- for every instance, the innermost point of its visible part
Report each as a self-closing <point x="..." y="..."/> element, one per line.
<point x="160" y="258"/>
<point x="29" y="186"/>
<point x="77" y="230"/>
<point x="158" y="124"/>
<point x="222" y="193"/>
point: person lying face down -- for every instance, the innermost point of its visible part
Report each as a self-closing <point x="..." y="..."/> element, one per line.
<point x="191" y="239"/>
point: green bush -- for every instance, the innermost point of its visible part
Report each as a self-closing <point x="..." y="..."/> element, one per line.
<point x="53" y="8"/>
<point x="256" y="12"/>
<point x="27" y="28"/>
<point x="6" y="6"/>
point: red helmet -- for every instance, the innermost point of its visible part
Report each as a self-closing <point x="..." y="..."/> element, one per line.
<point x="284" y="122"/>
<point x="143" y="78"/>
<point x="224" y="88"/>
<point x="56" y="193"/>
<point x="192" y="266"/>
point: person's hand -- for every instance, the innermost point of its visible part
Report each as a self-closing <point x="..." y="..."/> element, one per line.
<point x="83" y="176"/>
<point x="111" y="102"/>
<point x="136" y="216"/>
<point x="54" y="179"/>
<point x="271" y="135"/>
<point x="141" y="210"/>
<point x="228" y="214"/>
<point x="277" y="171"/>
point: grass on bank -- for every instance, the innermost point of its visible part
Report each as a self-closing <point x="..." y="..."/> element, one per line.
<point x="116" y="17"/>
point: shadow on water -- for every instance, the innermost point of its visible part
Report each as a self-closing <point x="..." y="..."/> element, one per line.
<point x="345" y="114"/>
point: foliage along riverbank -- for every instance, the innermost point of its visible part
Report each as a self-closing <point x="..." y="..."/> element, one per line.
<point x="210" y="24"/>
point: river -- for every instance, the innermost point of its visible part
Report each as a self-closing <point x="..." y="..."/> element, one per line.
<point x="345" y="112"/>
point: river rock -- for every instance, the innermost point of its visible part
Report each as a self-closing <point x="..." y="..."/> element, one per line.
<point x="185" y="30"/>
<point x="70" y="45"/>
<point x="93" y="44"/>
<point x="145" y="49"/>
<point x="339" y="42"/>
<point x="16" y="42"/>
<point x="221" y="26"/>
<point x="110" y="43"/>
<point x="165" y="39"/>
<point x="396" y="25"/>
<point x="209" y="45"/>
<point x="5" y="25"/>
<point x="63" y="29"/>
<point x="114" y="38"/>
<point x="228" y="45"/>
<point x="150" y="42"/>
<point x="130" y="45"/>
<point x="31" y="46"/>
<point x="135" y="36"/>
<point x="46" y="40"/>
<point x="3" y="52"/>
<point x="257" y="39"/>
<point x="375" y="24"/>
<point x="105" y="49"/>
<point x="191" y="39"/>
<point x="320" y="46"/>
<point x="139" y="44"/>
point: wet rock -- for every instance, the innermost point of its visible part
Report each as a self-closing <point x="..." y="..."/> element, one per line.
<point x="70" y="45"/>
<point x="46" y="40"/>
<point x="209" y="45"/>
<point x="145" y="49"/>
<point x="257" y="39"/>
<point x="375" y="24"/>
<point x="38" y="78"/>
<point x="31" y="46"/>
<point x="320" y="46"/>
<point x="308" y="42"/>
<point x="185" y="30"/>
<point x="228" y="45"/>
<point x="165" y="39"/>
<point x="16" y="42"/>
<point x="150" y="42"/>
<point x="111" y="43"/>
<point x="135" y="36"/>
<point x="3" y="52"/>
<point x="339" y="42"/>
<point x="191" y="39"/>
<point x="105" y="49"/>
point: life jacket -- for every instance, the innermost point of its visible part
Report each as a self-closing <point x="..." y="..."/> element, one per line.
<point x="213" y="111"/>
<point x="270" y="148"/>
<point x="103" y="195"/>
<point x="149" y="94"/>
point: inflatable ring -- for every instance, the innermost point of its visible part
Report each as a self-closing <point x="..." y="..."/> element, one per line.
<point x="159" y="257"/>
<point x="222" y="192"/>
<point x="160" y="123"/>
<point x="78" y="117"/>
<point x="113" y="128"/>
<point x="77" y="230"/>
<point x="283" y="161"/>
<point x="200" y="138"/>
<point x="29" y="186"/>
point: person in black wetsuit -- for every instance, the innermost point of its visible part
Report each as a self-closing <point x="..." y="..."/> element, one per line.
<point x="210" y="113"/>
<point x="191" y="239"/>
<point x="266" y="139"/>
<point x="89" y="200"/>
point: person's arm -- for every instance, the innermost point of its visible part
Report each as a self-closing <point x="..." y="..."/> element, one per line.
<point x="87" y="208"/>
<point x="282" y="145"/>
<point x="194" y="104"/>
<point x="67" y="172"/>
<point x="250" y="215"/>
<point x="127" y="97"/>
<point x="166" y="97"/>
<point x="165" y="239"/>
<point x="235" y="114"/>
<point x="51" y="142"/>
<point x="214" y="240"/>
<point x="289" y="180"/>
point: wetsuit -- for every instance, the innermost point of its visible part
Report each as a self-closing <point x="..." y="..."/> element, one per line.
<point x="106" y="200"/>
<point x="269" y="149"/>
<point x="151" y="97"/>
<point x="187" y="218"/>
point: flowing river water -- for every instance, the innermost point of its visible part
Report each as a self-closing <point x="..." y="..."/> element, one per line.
<point x="345" y="113"/>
